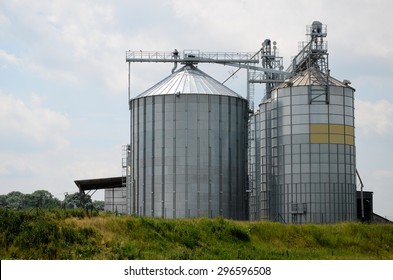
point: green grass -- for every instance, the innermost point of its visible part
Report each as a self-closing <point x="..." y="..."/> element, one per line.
<point x="74" y="235"/>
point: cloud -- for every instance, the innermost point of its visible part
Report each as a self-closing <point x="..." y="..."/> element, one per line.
<point x="372" y="34"/>
<point x="383" y="173"/>
<point x="71" y="44"/>
<point x="31" y="124"/>
<point x="17" y="166"/>
<point x="37" y="152"/>
<point x="9" y="58"/>
<point x="56" y="171"/>
<point x="84" y="43"/>
<point x="374" y="117"/>
<point x="31" y="139"/>
<point x="379" y="182"/>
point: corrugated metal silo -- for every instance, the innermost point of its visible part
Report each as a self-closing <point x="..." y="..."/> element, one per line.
<point x="188" y="149"/>
<point x="308" y="162"/>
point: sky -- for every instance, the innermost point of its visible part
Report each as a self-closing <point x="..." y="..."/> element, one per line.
<point x="63" y="76"/>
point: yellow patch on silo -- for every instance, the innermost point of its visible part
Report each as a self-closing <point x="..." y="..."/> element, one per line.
<point x="321" y="138"/>
<point x="349" y="130"/>
<point x="349" y="139"/>
<point x="319" y="128"/>
<point x="336" y="139"/>
<point x="322" y="133"/>
<point x="336" y="128"/>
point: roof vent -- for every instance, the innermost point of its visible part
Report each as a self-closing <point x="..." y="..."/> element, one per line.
<point x="288" y="82"/>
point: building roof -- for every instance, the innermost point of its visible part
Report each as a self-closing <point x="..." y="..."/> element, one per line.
<point x="379" y="219"/>
<point x="99" y="183"/>
<point x="189" y="80"/>
<point x="312" y="77"/>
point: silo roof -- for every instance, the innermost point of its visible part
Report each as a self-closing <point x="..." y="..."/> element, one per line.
<point x="189" y="80"/>
<point x="313" y="77"/>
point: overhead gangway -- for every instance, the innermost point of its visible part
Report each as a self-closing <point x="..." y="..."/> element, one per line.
<point x="192" y="56"/>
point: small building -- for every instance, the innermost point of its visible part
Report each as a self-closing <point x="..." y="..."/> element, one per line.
<point x="115" y="192"/>
<point x="365" y="211"/>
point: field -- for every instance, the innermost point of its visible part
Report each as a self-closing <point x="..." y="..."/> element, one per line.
<point x="72" y="234"/>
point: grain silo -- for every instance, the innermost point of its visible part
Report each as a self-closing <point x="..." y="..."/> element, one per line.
<point x="195" y="150"/>
<point x="308" y="167"/>
<point x="303" y="139"/>
<point x="188" y="149"/>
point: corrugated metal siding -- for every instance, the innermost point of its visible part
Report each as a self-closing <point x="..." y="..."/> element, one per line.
<point x="308" y="153"/>
<point x="189" y="151"/>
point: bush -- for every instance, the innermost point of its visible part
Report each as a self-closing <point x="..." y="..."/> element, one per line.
<point x="71" y="234"/>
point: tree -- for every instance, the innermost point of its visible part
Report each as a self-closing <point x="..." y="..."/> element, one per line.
<point x="15" y="200"/>
<point x="74" y="201"/>
<point x="39" y="199"/>
<point x="43" y="199"/>
<point x="3" y="199"/>
<point x="98" y="205"/>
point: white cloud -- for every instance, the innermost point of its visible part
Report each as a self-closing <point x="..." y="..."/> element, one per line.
<point x="9" y="58"/>
<point x="383" y="173"/>
<point x="20" y="166"/>
<point x="84" y="42"/>
<point x="372" y="35"/>
<point x="90" y="164"/>
<point x="56" y="171"/>
<point x="374" y="117"/>
<point x="31" y="139"/>
<point x="72" y="44"/>
<point x="22" y="122"/>
<point x="4" y="19"/>
<point x="379" y="182"/>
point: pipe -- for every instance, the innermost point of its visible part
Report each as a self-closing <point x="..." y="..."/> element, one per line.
<point x="361" y="194"/>
<point x="174" y="67"/>
<point x="175" y="55"/>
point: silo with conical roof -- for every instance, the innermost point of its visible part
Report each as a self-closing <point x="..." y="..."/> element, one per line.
<point x="188" y="149"/>
<point x="308" y="157"/>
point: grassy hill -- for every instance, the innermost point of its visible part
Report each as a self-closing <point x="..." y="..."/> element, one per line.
<point x="71" y="234"/>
